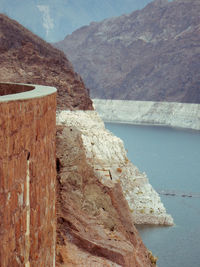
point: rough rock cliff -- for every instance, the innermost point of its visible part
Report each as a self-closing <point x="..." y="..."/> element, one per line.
<point x="106" y="155"/>
<point x="152" y="54"/>
<point x="184" y="115"/>
<point x="95" y="225"/>
<point x="25" y="58"/>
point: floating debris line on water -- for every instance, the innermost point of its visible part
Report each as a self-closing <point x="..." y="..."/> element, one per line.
<point x="178" y="194"/>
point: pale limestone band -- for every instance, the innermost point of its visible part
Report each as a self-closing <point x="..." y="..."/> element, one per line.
<point x="172" y="114"/>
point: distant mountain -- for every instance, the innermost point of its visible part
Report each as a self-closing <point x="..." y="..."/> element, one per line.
<point x="151" y="54"/>
<point x="52" y="20"/>
<point x="25" y="58"/>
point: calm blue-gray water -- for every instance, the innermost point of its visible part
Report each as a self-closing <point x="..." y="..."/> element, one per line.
<point x="171" y="159"/>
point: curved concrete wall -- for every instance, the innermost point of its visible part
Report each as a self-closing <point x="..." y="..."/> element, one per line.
<point x="27" y="175"/>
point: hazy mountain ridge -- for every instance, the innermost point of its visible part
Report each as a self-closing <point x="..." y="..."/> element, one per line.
<point x="52" y="20"/>
<point x="152" y="54"/>
<point x="25" y="58"/>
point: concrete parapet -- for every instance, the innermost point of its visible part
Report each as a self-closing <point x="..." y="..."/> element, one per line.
<point x="27" y="175"/>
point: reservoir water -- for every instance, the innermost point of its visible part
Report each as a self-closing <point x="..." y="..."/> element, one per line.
<point x="171" y="159"/>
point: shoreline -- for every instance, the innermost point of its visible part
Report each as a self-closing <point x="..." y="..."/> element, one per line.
<point x="165" y="114"/>
<point x="150" y="124"/>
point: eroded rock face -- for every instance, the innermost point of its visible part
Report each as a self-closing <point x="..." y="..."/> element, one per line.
<point x="95" y="226"/>
<point x="152" y="54"/>
<point x="106" y="156"/>
<point x="26" y="58"/>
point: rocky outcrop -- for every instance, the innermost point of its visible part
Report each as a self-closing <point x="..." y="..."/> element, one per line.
<point x="95" y="226"/>
<point x="182" y="115"/>
<point x="106" y="156"/>
<point x="152" y="54"/>
<point x="25" y="58"/>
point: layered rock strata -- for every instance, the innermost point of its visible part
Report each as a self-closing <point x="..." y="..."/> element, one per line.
<point x="106" y="156"/>
<point x="172" y="114"/>
<point x="95" y="226"/>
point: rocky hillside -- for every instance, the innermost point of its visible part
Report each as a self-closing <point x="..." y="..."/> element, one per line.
<point x="25" y="58"/>
<point x="52" y="20"/>
<point x="151" y="55"/>
<point x="95" y="179"/>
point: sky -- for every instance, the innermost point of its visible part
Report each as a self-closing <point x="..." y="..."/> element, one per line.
<point x="53" y="20"/>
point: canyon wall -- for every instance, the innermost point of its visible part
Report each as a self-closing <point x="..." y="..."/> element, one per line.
<point x="95" y="226"/>
<point x="172" y="114"/>
<point x="27" y="188"/>
<point x="106" y="155"/>
<point x="152" y="54"/>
